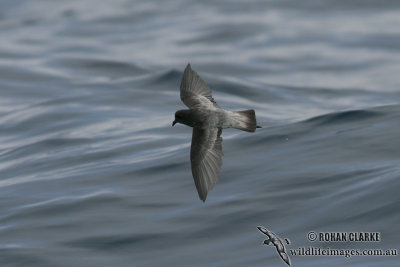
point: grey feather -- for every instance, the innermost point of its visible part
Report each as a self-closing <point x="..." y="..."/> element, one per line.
<point x="193" y="88"/>
<point x="206" y="159"/>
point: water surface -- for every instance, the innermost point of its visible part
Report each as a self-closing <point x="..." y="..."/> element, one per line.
<point x="93" y="174"/>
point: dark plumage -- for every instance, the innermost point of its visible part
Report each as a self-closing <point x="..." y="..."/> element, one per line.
<point x="207" y="120"/>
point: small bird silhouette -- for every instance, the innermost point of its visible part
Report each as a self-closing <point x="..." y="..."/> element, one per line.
<point x="207" y="120"/>
<point x="273" y="239"/>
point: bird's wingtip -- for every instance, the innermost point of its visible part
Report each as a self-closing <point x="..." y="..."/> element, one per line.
<point x="262" y="230"/>
<point x="203" y="197"/>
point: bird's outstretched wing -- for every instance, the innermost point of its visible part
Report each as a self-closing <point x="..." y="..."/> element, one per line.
<point x="206" y="158"/>
<point x="265" y="231"/>
<point x="285" y="257"/>
<point x="194" y="91"/>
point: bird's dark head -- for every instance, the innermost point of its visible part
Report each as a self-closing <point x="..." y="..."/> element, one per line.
<point x="267" y="241"/>
<point x="182" y="116"/>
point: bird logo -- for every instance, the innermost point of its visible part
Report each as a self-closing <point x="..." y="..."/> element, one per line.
<point x="274" y="240"/>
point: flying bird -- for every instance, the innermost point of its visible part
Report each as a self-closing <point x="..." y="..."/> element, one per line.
<point x="207" y="120"/>
<point x="274" y="240"/>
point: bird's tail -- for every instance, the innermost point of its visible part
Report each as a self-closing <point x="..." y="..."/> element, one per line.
<point x="245" y="120"/>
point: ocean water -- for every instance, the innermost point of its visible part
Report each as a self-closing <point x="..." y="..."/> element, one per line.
<point x="93" y="174"/>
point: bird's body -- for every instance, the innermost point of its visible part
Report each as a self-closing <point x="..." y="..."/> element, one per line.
<point x="207" y="120"/>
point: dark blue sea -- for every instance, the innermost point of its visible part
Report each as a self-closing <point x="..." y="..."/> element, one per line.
<point x="93" y="174"/>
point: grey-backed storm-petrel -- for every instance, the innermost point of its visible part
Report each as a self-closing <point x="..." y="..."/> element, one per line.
<point x="207" y="120"/>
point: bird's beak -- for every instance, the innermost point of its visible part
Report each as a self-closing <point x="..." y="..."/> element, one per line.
<point x="173" y="123"/>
